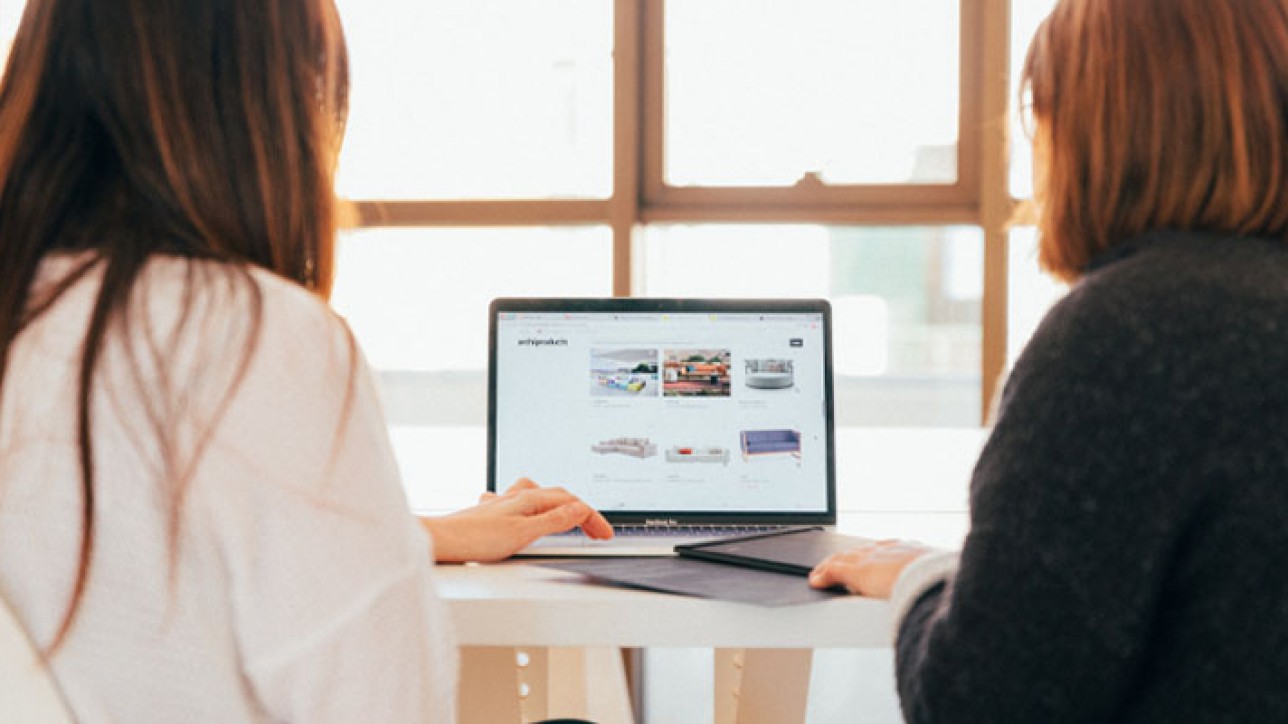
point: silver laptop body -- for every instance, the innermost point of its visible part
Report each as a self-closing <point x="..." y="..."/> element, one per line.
<point x="679" y="419"/>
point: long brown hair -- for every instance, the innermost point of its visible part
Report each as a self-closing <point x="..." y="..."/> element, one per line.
<point x="200" y="129"/>
<point x="1158" y="114"/>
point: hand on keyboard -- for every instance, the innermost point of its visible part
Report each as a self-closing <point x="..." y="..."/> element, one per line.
<point x="502" y="524"/>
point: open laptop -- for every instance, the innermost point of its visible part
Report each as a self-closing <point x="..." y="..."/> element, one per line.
<point x="679" y="419"/>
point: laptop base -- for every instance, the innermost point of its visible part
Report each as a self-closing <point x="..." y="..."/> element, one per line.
<point x="632" y="542"/>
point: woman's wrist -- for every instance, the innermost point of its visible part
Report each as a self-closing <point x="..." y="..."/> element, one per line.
<point x="440" y="538"/>
<point x="919" y="576"/>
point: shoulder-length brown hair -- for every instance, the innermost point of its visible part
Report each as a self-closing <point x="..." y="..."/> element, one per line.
<point x="1158" y="114"/>
<point x="201" y="129"/>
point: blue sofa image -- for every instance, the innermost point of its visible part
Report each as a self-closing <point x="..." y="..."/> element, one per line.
<point x="770" y="442"/>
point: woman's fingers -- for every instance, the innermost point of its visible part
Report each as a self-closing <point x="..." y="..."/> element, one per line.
<point x="840" y="569"/>
<point x="869" y="570"/>
<point x="520" y="485"/>
<point x="538" y="502"/>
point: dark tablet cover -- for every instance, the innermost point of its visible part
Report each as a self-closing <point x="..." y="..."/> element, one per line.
<point x="693" y="577"/>
<point x="796" y="551"/>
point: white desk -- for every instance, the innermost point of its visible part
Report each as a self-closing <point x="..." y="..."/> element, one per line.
<point x="570" y="632"/>
<point x="522" y="605"/>
<point x="575" y="630"/>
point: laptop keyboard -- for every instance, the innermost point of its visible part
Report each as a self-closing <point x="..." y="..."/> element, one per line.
<point x="689" y="531"/>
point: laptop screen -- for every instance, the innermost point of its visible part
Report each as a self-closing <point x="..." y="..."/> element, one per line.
<point x="690" y="409"/>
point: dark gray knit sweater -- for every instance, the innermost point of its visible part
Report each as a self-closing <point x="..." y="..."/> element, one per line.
<point x="1128" y="553"/>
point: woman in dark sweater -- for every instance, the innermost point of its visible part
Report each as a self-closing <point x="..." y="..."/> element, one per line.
<point x="1128" y="553"/>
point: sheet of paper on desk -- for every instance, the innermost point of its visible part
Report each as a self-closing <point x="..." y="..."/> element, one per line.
<point x="698" y="578"/>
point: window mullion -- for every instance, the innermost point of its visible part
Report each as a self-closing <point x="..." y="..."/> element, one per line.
<point x="628" y="32"/>
<point x="991" y="44"/>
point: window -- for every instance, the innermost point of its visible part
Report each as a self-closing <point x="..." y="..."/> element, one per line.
<point x="1025" y="17"/>
<point x="787" y="91"/>
<point x="827" y="149"/>
<point x="462" y="99"/>
<point x="653" y="147"/>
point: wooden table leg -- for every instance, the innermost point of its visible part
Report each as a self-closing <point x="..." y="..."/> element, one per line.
<point x="488" y="690"/>
<point x="762" y="686"/>
<point x="505" y="684"/>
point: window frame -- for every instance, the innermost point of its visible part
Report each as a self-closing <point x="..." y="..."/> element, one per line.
<point x="979" y="197"/>
<point x="863" y="203"/>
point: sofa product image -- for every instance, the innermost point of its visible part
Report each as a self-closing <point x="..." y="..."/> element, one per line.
<point x="697" y="455"/>
<point x="770" y="442"/>
<point x="770" y="374"/>
<point x="632" y="383"/>
<point x="638" y="447"/>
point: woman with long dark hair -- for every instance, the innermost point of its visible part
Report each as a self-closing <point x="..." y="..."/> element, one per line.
<point x="200" y="514"/>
